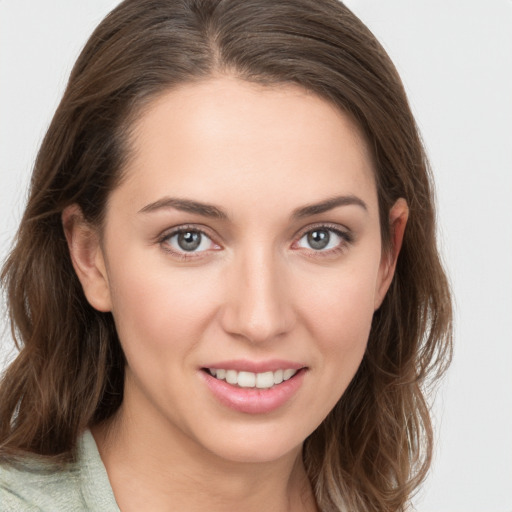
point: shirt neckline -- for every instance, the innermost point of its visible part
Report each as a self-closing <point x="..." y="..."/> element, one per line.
<point x="95" y="486"/>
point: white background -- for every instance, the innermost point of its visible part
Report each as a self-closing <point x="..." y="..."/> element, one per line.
<point x="455" y="57"/>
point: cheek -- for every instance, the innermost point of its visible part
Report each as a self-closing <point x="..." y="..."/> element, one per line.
<point x="342" y="335"/>
<point x="341" y="306"/>
<point x="160" y="309"/>
<point x="339" y="315"/>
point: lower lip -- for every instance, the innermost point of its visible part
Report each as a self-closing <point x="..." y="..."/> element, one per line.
<point x="254" y="400"/>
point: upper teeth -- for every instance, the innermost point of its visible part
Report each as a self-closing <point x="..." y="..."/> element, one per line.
<point x="252" y="380"/>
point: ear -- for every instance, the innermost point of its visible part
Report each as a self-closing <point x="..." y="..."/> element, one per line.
<point x="398" y="216"/>
<point x="87" y="257"/>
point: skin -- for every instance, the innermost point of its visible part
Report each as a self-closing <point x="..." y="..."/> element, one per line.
<point x="256" y="289"/>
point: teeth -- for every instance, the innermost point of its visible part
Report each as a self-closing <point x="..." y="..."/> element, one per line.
<point x="231" y="377"/>
<point x="287" y="374"/>
<point x="263" y="380"/>
<point x="246" y="379"/>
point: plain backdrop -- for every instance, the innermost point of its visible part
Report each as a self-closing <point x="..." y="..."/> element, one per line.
<point x="455" y="58"/>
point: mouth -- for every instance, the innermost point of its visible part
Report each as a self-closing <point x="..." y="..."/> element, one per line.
<point x="254" y="392"/>
<point x="246" y="379"/>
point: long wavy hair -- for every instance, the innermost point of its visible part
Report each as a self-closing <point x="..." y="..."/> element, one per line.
<point x="375" y="447"/>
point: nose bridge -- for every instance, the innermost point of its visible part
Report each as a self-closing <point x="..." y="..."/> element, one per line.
<point x="258" y="305"/>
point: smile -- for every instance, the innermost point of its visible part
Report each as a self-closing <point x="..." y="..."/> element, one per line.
<point x="244" y="379"/>
<point x="254" y="388"/>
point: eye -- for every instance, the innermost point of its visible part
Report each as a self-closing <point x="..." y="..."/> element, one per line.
<point x="188" y="241"/>
<point x="323" y="239"/>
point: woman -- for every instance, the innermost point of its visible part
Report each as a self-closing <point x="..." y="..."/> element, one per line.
<point x="225" y="286"/>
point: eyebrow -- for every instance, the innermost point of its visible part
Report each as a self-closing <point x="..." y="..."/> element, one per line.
<point x="185" y="205"/>
<point x="209" y="210"/>
<point x="328" y="204"/>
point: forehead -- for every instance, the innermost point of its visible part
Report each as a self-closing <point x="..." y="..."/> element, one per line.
<point x="209" y="139"/>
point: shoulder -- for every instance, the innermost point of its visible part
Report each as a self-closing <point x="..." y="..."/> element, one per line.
<point x="34" y="485"/>
<point x="31" y="484"/>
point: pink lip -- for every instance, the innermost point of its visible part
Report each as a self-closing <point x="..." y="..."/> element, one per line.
<point x="253" y="400"/>
<point x="245" y="365"/>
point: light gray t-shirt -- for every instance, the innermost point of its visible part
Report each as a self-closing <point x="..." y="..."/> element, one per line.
<point x="33" y="485"/>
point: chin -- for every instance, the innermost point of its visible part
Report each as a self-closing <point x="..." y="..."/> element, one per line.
<point x="255" y="446"/>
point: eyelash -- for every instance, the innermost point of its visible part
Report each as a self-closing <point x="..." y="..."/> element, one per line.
<point x="182" y="255"/>
<point x="345" y="236"/>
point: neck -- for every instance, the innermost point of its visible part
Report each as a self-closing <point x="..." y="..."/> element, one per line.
<point x="151" y="467"/>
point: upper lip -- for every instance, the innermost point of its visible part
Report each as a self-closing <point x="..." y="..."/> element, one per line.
<point x="246" y="365"/>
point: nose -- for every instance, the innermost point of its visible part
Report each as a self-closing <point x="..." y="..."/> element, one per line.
<point x="258" y="305"/>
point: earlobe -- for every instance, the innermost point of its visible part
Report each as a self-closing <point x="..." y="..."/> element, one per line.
<point x="398" y="216"/>
<point x="87" y="257"/>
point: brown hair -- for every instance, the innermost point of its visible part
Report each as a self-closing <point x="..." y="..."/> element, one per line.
<point x="375" y="447"/>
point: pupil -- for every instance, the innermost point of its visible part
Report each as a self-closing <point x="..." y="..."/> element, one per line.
<point x="189" y="240"/>
<point x="318" y="239"/>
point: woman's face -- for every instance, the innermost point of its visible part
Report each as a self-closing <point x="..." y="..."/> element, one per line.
<point x="243" y="244"/>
